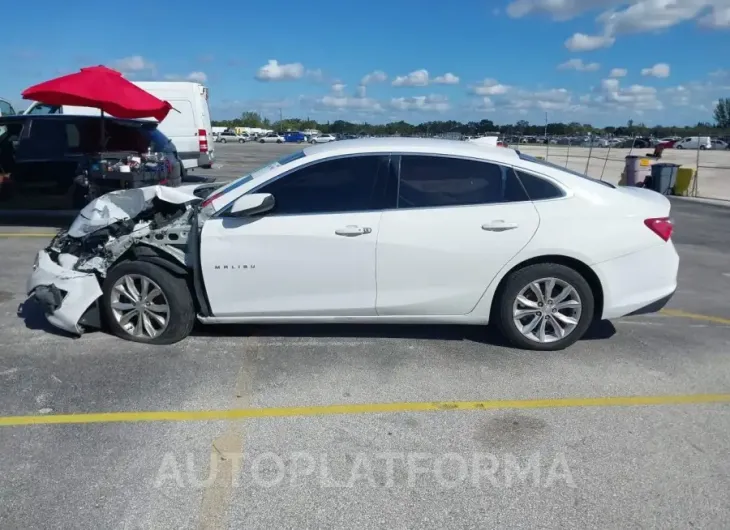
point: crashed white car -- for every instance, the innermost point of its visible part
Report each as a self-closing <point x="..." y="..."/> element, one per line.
<point x="392" y="230"/>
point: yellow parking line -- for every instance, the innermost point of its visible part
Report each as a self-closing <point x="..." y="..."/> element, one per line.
<point x="26" y="234"/>
<point x="363" y="408"/>
<point x="694" y="316"/>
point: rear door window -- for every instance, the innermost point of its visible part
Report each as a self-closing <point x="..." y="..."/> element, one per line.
<point x="437" y="181"/>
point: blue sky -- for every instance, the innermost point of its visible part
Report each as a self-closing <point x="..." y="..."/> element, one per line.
<point x="593" y="61"/>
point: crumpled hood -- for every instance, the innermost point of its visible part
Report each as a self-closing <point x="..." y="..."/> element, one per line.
<point x="127" y="204"/>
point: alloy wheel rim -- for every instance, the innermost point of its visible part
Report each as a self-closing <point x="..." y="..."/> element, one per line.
<point x="547" y="310"/>
<point x="139" y="306"/>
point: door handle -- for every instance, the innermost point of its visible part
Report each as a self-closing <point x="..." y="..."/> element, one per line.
<point x="353" y="230"/>
<point x="499" y="226"/>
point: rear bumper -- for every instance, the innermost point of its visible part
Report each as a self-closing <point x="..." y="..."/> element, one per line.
<point x="65" y="295"/>
<point x="640" y="283"/>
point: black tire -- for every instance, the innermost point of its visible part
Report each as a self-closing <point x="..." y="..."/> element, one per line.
<point x="279" y="142"/>
<point x="517" y="281"/>
<point x="703" y="148"/>
<point x="181" y="316"/>
<point x="262" y="142"/>
<point x="678" y="147"/>
<point x="241" y="140"/>
<point x="223" y="140"/>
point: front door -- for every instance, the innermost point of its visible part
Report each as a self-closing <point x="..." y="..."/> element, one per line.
<point x="458" y="222"/>
<point x="312" y="255"/>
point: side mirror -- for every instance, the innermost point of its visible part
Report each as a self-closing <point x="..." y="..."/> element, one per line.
<point x="252" y="204"/>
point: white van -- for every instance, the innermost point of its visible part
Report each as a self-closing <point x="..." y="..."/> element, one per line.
<point x="188" y="126"/>
<point x="694" y="142"/>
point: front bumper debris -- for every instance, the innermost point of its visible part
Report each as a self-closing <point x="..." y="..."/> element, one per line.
<point x="64" y="294"/>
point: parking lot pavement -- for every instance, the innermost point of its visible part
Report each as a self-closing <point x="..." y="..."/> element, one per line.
<point x="302" y="463"/>
<point x="233" y="160"/>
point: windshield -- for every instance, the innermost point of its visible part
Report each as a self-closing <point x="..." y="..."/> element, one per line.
<point x="541" y="162"/>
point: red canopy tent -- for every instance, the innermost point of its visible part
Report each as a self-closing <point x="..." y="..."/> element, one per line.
<point x="102" y="88"/>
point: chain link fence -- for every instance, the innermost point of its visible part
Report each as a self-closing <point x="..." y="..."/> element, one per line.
<point x="605" y="158"/>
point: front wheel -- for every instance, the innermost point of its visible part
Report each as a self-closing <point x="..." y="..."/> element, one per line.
<point x="223" y="140"/>
<point x="279" y="142"/>
<point x="262" y="142"/>
<point x="241" y="141"/>
<point x="703" y="148"/>
<point x="142" y="302"/>
<point x="544" y="307"/>
<point x="678" y="147"/>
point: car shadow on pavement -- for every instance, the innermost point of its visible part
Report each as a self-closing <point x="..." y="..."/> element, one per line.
<point x="34" y="318"/>
<point x="601" y="330"/>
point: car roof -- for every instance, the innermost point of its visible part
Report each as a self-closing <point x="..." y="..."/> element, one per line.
<point x="416" y="146"/>
<point x="16" y="118"/>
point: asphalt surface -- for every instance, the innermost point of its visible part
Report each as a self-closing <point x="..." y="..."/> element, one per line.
<point x="660" y="466"/>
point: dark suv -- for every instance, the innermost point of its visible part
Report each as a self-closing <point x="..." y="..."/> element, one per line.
<point x="46" y="157"/>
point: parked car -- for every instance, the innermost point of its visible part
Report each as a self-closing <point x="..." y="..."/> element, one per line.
<point x="694" y="142"/>
<point x="295" y="137"/>
<point x="666" y="143"/>
<point x="229" y="136"/>
<point x="323" y="139"/>
<point x="487" y="222"/>
<point x="272" y="138"/>
<point x="62" y="155"/>
<point x="719" y="145"/>
<point x="636" y="143"/>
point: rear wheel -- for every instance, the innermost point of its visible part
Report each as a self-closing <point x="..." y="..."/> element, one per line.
<point x="142" y="302"/>
<point x="241" y="140"/>
<point x="545" y="307"/>
<point x="223" y="140"/>
<point x="262" y="142"/>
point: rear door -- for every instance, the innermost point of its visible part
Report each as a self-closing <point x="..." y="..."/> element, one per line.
<point x="457" y="223"/>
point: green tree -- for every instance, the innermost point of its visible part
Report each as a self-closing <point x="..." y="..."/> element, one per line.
<point x="722" y="113"/>
<point x="251" y="119"/>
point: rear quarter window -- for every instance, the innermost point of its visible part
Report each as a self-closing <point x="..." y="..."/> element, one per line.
<point x="538" y="189"/>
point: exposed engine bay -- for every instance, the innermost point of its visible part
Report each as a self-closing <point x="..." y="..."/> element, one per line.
<point x="109" y="226"/>
<point x="152" y="223"/>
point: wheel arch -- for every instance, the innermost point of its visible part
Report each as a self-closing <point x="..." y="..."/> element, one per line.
<point x="576" y="264"/>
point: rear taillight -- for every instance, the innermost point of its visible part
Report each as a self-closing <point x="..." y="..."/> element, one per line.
<point x="661" y="226"/>
<point x="203" y="140"/>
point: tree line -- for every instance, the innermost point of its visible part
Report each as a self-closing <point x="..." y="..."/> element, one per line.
<point x="721" y="127"/>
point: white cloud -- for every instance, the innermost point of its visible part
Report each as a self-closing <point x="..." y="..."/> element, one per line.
<point x="434" y="102"/>
<point x="579" y="65"/>
<point x="378" y="76"/>
<point x="621" y="17"/>
<point x="315" y="75"/>
<point x="416" y="78"/>
<point x="446" y="79"/>
<point x="197" y="77"/>
<point x="489" y="87"/>
<point x="133" y="64"/>
<point x="618" y="72"/>
<point x="610" y="95"/>
<point x="580" y="42"/>
<point x="338" y="100"/>
<point x="660" y="70"/>
<point x="273" y="71"/>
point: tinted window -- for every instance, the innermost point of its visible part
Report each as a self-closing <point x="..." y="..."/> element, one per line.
<point x="6" y="109"/>
<point x="538" y="189"/>
<point x="431" y="181"/>
<point x="341" y="185"/>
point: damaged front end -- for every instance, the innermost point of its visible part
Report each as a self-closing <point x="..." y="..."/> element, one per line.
<point x="151" y="223"/>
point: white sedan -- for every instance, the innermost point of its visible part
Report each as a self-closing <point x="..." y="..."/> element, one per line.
<point x="272" y="138"/>
<point x="323" y="139"/>
<point x="392" y="230"/>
